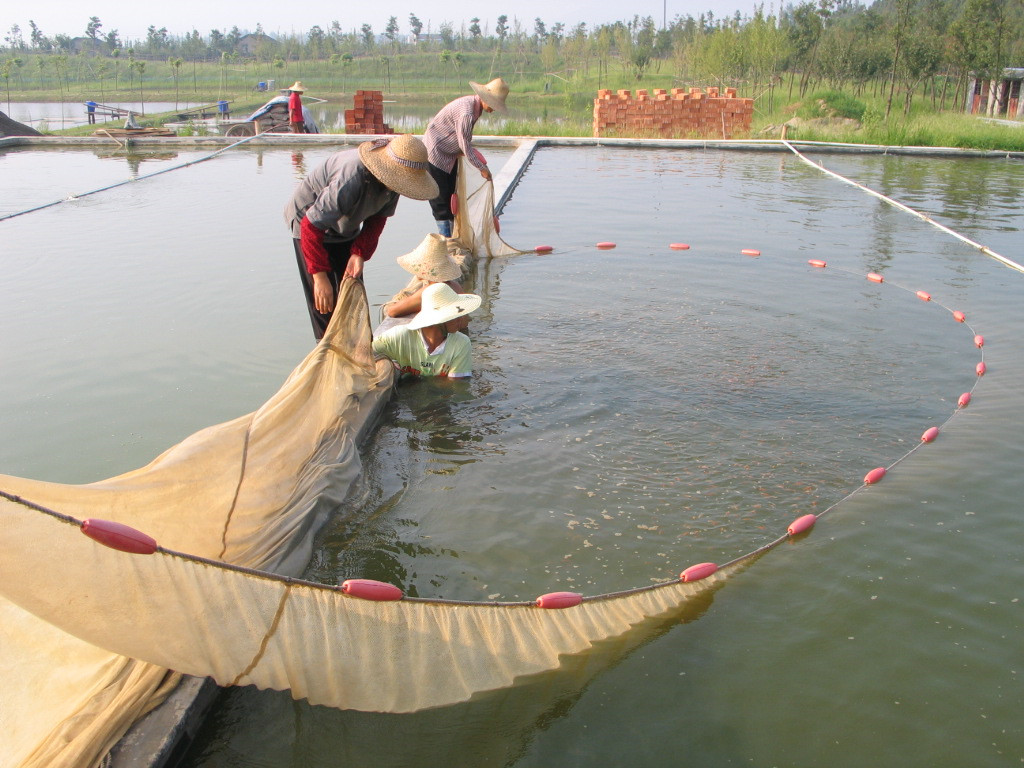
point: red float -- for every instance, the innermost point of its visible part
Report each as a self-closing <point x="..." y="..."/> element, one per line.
<point x="698" y="572"/>
<point x="750" y="252"/>
<point x="930" y="434"/>
<point x="802" y="524"/>
<point x="679" y="246"/>
<point x="544" y="248"/>
<point x="454" y="203"/>
<point x="980" y="368"/>
<point x="875" y="277"/>
<point x="605" y="245"/>
<point x="368" y="589"/>
<point x="874" y="475"/>
<point x="559" y="600"/>
<point x="979" y="340"/>
<point x="497" y="224"/>
<point x="119" y="536"/>
<point x="965" y="400"/>
<point x="924" y="296"/>
<point x="959" y="316"/>
<point x="817" y="263"/>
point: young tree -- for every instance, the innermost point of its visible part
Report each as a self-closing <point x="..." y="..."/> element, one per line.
<point x="176" y="63"/>
<point x="367" y="33"/>
<point x="447" y="31"/>
<point x="391" y="30"/>
<point x="415" y="26"/>
<point x="37" y="38"/>
<point x="112" y="40"/>
<point x="501" y="30"/>
<point x="474" y="28"/>
<point x="92" y="29"/>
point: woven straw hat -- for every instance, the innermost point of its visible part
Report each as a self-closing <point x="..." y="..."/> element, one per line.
<point x="298" y="87"/>
<point x="400" y="164"/>
<point x="441" y="304"/>
<point x="430" y="261"/>
<point x="493" y="94"/>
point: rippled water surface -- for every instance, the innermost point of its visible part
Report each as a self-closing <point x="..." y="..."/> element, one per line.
<point x="634" y="411"/>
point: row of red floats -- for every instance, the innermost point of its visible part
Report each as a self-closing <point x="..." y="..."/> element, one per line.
<point x="127" y="539"/>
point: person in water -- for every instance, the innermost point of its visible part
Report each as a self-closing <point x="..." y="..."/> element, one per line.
<point x="433" y="342"/>
<point x="430" y="263"/>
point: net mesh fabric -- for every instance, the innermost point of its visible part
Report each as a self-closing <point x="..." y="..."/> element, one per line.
<point x="251" y="491"/>
<point x="474" y="234"/>
<point x="89" y="634"/>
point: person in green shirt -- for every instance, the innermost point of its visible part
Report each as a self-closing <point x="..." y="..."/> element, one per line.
<point x="432" y="343"/>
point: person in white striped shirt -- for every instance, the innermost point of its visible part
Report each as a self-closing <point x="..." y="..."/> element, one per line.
<point x="450" y="135"/>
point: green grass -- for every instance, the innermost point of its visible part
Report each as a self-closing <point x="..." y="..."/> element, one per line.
<point x="541" y="103"/>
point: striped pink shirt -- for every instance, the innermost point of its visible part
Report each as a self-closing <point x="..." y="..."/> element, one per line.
<point x="450" y="134"/>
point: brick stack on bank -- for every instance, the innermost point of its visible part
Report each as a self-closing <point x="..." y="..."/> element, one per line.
<point x="677" y="114"/>
<point x="368" y="114"/>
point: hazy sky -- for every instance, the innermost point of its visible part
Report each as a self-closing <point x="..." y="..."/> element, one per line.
<point x="131" y="20"/>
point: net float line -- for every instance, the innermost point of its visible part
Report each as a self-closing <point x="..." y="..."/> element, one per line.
<point x="126" y="539"/>
<point x="907" y="209"/>
<point x="73" y="197"/>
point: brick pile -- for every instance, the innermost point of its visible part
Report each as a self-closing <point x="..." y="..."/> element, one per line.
<point x="677" y="114"/>
<point x="367" y="116"/>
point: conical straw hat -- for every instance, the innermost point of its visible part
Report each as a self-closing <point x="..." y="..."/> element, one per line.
<point x="400" y="164"/>
<point x="430" y="261"/>
<point x="298" y="87"/>
<point x="441" y="304"/>
<point x="493" y="94"/>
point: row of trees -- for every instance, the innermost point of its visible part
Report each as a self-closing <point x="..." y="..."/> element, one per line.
<point x="839" y="43"/>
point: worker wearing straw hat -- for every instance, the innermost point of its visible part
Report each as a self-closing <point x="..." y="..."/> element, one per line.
<point x="295" y="117"/>
<point x="450" y="135"/>
<point x="432" y="343"/>
<point x="336" y="213"/>
<point x="429" y="263"/>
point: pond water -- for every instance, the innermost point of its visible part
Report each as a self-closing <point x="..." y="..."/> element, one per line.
<point x="54" y="115"/>
<point x="635" y="411"/>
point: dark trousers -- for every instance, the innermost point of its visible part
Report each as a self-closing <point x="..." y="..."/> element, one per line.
<point x="337" y="254"/>
<point x="441" y="206"/>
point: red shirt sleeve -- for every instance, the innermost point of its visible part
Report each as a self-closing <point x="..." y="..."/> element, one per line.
<point x="313" y="250"/>
<point x="366" y="241"/>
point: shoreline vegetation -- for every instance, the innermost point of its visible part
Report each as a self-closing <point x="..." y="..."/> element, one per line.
<point x="894" y="73"/>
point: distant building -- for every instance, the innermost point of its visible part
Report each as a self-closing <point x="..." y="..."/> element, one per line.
<point x="426" y="38"/>
<point x="997" y="98"/>
<point x="249" y="45"/>
<point x="91" y="45"/>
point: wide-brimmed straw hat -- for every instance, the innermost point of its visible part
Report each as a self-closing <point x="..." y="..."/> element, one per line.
<point x="441" y="304"/>
<point x="430" y="261"/>
<point x="298" y="87"/>
<point x="400" y="164"/>
<point x="493" y="94"/>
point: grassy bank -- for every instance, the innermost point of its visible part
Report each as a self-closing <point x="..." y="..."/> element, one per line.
<point x="541" y="103"/>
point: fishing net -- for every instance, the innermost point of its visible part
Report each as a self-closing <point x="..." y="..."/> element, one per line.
<point x="475" y="232"/>
<point x="89" y="634"/>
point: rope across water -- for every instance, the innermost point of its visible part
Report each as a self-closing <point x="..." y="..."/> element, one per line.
<point x="128" y="181"/>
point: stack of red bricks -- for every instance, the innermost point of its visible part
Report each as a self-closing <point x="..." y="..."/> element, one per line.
<point x="368" y="114"/>
<point x="677" y="114"/>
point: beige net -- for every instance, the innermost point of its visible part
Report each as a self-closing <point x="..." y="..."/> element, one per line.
<point x="476" y="229"/>
<point x="475" y="233"/>
<point x="244" y="499"/>
<point x="251" y="491"/>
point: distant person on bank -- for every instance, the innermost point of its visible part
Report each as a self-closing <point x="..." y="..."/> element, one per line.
<point x="336" y="213"/>
<point x="430" y="263"/>
<point x="432" y="343"/>
<point x="295" y="117"/>
<point x="449" y="135"/>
